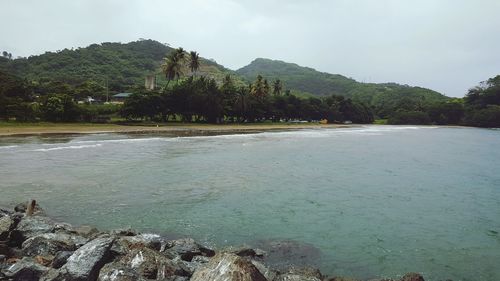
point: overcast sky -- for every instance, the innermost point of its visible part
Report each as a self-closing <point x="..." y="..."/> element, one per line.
<point x="445" y="45"/>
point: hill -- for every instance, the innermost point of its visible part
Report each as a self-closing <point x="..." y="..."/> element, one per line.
<point x="123" y="66"/>
<point x="384" y="98"/>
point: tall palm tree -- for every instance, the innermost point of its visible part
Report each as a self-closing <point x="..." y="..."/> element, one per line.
<point x="194" y="62"/>
<point x="277" y="87"/>
<point x="172" y="67"/>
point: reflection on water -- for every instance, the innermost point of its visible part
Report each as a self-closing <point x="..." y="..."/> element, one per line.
<point x="367" y="202"/>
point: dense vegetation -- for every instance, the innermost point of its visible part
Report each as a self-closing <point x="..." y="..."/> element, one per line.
<point x="114" y="66"/>
<point x="482" y="104"/>
<point x="201" y="100"/>
<point x="385" y="99"/>
<point x="194" y="89"/>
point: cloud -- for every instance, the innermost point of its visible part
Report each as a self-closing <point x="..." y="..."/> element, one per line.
<point x="445" y="45"/>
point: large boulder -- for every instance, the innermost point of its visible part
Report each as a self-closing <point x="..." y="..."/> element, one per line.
<point x="31" y="226"/>
<point x="51" y="244"/>
<point x="85" y="263"/>
<point x="26" y="269"/>
<point x="186" y="248"/>
<point x="150" y="264"/>
<point x="228" y="267"/>
<point x="146" y="240"/>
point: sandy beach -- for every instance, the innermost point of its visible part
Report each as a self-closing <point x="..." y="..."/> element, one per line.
<point x="13" y="129"/>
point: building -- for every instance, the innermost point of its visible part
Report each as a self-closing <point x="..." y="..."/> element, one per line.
<point x="120" y="98"/>
<point x="150" y="82"/>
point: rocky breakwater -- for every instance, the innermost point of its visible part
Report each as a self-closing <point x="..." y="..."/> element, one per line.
<point x="34" y="247"/>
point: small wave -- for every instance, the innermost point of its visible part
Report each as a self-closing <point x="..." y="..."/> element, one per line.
<point x="8" y="146"/>
<point x="68" y="147"/>
<point x="119" y="140"/>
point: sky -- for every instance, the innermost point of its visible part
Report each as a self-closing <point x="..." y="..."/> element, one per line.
<point x="445" y="45"/>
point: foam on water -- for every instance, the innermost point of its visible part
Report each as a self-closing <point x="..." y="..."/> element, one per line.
<point x="68" y="147"/>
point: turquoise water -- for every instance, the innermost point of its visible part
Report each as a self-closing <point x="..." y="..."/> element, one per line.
<point x="372" y="201"/>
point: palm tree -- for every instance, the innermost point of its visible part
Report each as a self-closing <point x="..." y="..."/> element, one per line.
<point x="277" y="87"/>
<point x="257" y="89"/>
<point x="172" y="67"/>
<point x="194" y="62"/>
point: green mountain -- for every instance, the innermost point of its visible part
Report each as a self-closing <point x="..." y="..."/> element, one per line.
<point x="123" y="66"/>
<point x="384" y="98"/>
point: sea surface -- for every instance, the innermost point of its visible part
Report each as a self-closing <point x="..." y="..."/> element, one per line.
<point x="370" y="201"/>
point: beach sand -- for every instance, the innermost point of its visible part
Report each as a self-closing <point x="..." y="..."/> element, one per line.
<point x="12" y="129"/>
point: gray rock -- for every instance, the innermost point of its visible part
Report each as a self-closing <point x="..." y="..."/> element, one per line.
<point x="152" y="241"/>
<point x="228" y="267"/>
<point x="25" y="270"/>
<point x="150" y="264"/>
<point x="51" y="243"/>
<point x="86" y="231"/>
<point x="270" y="274"/>
<point x="85" y="263"/>
<point x="6" y="225"/>
<point x="31" y="226"/>
<point x="186" y="248"/>
<point x="61" y="258"/>
<point x="118" y="272"/>
<point x="246" y="251"/>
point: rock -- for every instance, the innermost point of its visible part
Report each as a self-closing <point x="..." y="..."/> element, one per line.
<point x="5" y="250"/>
<point x="300" y="274"/>
<point x="22" y="207"/>
<point x="412" y="277"/>
<point x="123" y="232"/>
<point x="61" y="258"/>
<point x="282" y="254"/>
<point x="4" y="212"/>
<point x="86" y="231"/>
<point x="337" y="278"/>
<point x="2" y="258"/>
<point x="270" y="274"/>
<point x="152" y="241"/>
<point x="150" y="264"/>
<point x="6" y="225"/>
<point x="25" y="270"/>
<point x="51" y="244"/>
<point x="118" y="272"/>
<point x="186" y="248"/>
<point x="85" y="263"/>
<point x="246" y="251"/>
<point x="44" y="260"/>
<point x="228" y="267"/>
<point x="29" y="227"/>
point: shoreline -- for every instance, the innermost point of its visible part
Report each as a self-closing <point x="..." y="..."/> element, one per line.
<point x="175" y="129"/>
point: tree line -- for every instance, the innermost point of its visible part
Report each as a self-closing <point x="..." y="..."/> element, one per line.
<point x="191" y="97"/>
<point x="201" y="99"/>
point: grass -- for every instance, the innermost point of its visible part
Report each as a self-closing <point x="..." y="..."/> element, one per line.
<point x="380" y="122"/>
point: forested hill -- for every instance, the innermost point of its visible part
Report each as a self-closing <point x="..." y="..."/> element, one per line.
<point x="124" y="66"/>
<point x="384" y="98"/>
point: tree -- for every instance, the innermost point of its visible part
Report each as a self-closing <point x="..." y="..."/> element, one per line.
<point x="194" y="62"/>
<point x="277" y="87"/>
<point x="172" y="67"/>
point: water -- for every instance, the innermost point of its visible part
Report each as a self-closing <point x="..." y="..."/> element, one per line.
<point x="370" y="201"/>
